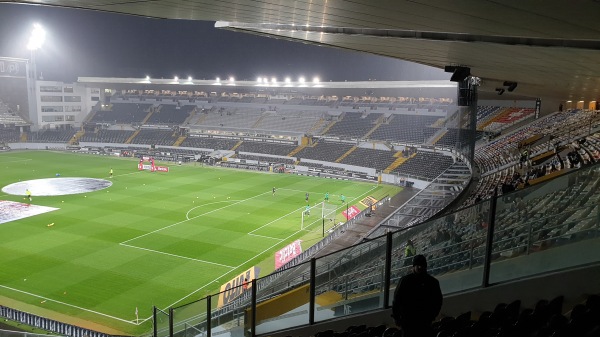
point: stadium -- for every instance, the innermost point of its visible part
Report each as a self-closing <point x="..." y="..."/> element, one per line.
<point x="188" y="207"/>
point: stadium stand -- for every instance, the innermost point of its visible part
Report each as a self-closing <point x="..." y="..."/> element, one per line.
<point x="155" y="137"/>
<point x="426" y="165"/>
<point x="353" y="125"/>
<point x="122" y="113"/>
<point x="171" y="114"/>
<point x="403" y="128"/>
<point x="9" y="135"/>
<point x="51" y="136"/>
<point x="106" y="136"/>
<point x="324" y="151"/>
<point x="209" y="143"/>
<point x="377" y="159"/>
<point x="277" y="149"/>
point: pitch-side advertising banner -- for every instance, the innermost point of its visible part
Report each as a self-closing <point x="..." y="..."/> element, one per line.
<point x="287" y="253"/>
<point x="352" y="212"/>
<point x="234" y="288"/>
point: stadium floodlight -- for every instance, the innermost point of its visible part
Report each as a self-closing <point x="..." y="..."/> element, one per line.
<point x="147" y="78"/>
<point x="288" y="80"/>
<point x="231" y="79"/>
<point x="189" y="78"/>
<point x="316" y="80"/>
<point x="301" y="80"/>
<point x="274" y="80"/>
<point x="218" y="79"/>
<point x="176" y="79"/>
<point x="37" y="38"/>
<point x="259" y="80"/>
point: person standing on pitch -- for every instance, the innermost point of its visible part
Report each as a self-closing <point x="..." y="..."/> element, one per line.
<point x="273" y="191"/>
<point x="327" y="196"/>
<point x="343" y="198"/>
<point x="306" y="196"/>
<point x="28" y="195"/>
<point x="417" y="301"/>
<point x="110" y="175"/>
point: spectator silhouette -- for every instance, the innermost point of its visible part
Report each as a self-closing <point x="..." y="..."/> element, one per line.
<point x="417" y="301"/>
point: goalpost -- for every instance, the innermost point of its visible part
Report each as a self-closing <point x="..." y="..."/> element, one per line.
<point x="317" y="213"/>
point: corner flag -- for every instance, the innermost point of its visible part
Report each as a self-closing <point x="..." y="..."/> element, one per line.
<point x="136" y="315"/>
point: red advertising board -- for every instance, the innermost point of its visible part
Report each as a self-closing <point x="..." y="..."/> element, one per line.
<point x="352" y="212"/>
<point x="287" y="253"/>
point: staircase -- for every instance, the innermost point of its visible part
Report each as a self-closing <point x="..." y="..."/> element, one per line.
<point x="179" y="141"/>
<point x="147" y="116"/>
<point x="316" y="126"/>
<point x="339" y="160"/>
<point x="296" y="150"/>
<point x="328" y="127"/>
<point x="366" y="136"/>
<point x="130" y="139"/>
<point x="399" y="161"/>
<point x="493" y="119"/>
<point x="237" y="145"/>
<point x="76" y="137"/>
<point x="437" y="136"/>
<point x="257" y="123"/>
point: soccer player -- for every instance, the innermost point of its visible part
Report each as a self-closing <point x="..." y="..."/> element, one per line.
<point x="111" y="173"/>
<point x="327" y="196"/>
<point x="306" y="197"/>
<point x="343" y="198"/>
<point x="307" y="211"/>
<point x="28" y="195"/>
<point x="273" y="190"/>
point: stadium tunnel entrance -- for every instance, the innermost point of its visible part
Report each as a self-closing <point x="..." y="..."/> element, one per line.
<point x="57" y="186"/>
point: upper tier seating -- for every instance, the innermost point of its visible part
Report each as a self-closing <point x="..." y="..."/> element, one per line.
<point x="122" y="113"/>
<point x="426" y="165"/>
<point x="353" y="125"/>
<point x="324" y="151"/>
<point x="170" y="114"/>
<point x="377" y="159"/>
<point x="9" y="135"/>
<point x="242" y="118"/>
<point x="406" y="129"/>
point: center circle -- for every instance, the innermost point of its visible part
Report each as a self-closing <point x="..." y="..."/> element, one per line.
<point x="57" y="186"/>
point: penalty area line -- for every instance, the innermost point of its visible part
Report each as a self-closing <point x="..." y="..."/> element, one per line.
<point x="266" y="237"/>
<point x="67" y="304"/>
<point x="178" y="256"/>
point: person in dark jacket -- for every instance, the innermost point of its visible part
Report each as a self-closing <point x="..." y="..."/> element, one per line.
<point x="417" y="300"/>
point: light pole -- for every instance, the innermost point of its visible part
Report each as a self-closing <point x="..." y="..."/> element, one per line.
<point x="36" y="40"/>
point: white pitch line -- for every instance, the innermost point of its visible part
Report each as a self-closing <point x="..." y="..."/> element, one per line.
<point x="67" y="304"/>
<point x="263" y="236"/>
<point x="203" y="205"/>
<point x="250" y="259"/>
<point x="197" y="216"/>
<point x="289" y="189"/>
<point x="178" y="256"/>
<point x="281" y="217"/>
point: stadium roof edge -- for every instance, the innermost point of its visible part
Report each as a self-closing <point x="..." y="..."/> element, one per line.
<point x="105" y="81"/>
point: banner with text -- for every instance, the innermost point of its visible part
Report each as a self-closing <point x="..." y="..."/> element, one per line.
<point x="351" y="213"/>
<point x="287" y="253"/>
<point x="234" y="287"/>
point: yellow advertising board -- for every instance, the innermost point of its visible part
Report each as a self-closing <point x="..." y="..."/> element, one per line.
<point x="234" y="287"/>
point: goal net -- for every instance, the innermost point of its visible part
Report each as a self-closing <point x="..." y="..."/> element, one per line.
<point x="316" y="213"/>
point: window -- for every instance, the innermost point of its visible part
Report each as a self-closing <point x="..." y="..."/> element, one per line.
<point x="73" y="108"/>
<point x="53" y="118"/>
<point x="52" y="108"/>
<point x="95" y="91"/>
<point x="95" y="99"/>
<point x="72" y="98"/>
<point x="68" y="89"/>
<point x="51" y="98"/>
<point x="50" y="88"/>
<point x="70" y="118"/>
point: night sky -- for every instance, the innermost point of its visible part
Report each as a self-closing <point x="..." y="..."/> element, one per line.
<point x="89" y="43"/>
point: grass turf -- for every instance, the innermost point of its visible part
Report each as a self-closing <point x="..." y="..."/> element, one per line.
<point x="160" y="239"/>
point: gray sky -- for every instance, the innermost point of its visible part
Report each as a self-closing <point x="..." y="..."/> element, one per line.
<point x="89" y="43"/>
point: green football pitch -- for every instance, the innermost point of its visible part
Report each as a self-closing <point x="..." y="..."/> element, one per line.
<point x="150" y="239"/>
